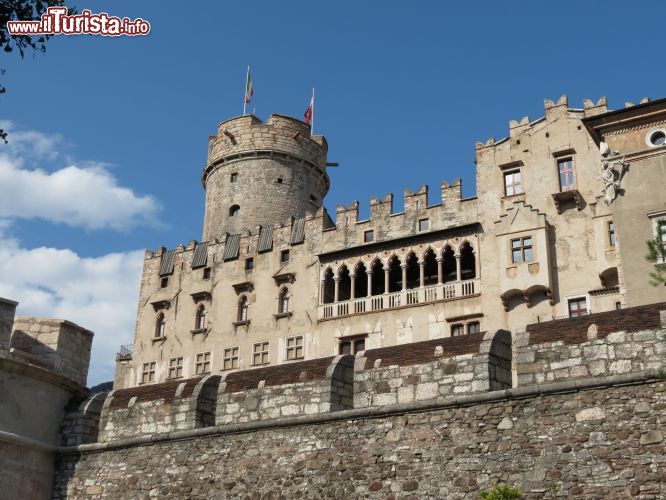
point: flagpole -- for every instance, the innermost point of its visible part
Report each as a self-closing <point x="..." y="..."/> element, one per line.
<point x="245" y="93"/>
<point x="313" y="115"/>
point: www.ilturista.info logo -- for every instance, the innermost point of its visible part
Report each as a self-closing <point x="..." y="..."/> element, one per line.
<point x="56" y="21"/>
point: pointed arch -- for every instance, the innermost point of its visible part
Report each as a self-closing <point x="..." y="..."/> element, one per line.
<point x="377" y="269"/>
<point x="413" y="273"/>
<point x="328" y="293"/>
<point x="344" y="285"/>
<point x="395" y="274"/>
<point x="361" y="281"/>
<point x="467" y="261"/>
<point x="430" y="267"/>
<point x="449" y="264"/>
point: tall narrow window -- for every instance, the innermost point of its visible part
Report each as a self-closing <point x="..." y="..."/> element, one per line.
<point x="521" y="250"/>
<point x="284" y="256"/>
<point x="611" y="234"/>
<point x="577" y="307"/>
<point x="283" y="301"/>
<point x="368" y="236"/>
<point x="260" y="354"/>
<point x="175" y="367"/>
<point x="249" y="264"/>
<point x="202" y="363"/>
<point x="295" y="348"/>
<point x="234" y="177"/>
<point x="230" y="358"/>
<point x="565" y="167"/>
<point x="512" y="183"/>
<point x="148" y="372"/>
<point x="200" y="320"/>
<point x="160" y="324"/>
<point x="242" y="308"/>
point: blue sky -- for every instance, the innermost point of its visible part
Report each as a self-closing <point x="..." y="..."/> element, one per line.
<point x="403" y="92"/>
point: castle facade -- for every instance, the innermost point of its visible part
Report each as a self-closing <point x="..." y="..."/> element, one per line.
<point x="558" y="228"/>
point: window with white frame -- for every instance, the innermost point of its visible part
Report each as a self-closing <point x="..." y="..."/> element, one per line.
<point x="175" y="367"/>
<point x="521" y="250"/>
<point x="202" y="363"/>
<point x="295" y="347"/>
<point x="260" y="353"/>
<point x="577" y="306"/>
<point x="148" y="372"/>
<point x="230" y="358"/>
<point x="565" y="168"/>
<point x="351" y="345"/>
<point x="512" y="183"/>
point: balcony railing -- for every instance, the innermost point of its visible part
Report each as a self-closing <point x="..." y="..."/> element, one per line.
<point x="125" y="353"/>
<point x="394" y="300"/>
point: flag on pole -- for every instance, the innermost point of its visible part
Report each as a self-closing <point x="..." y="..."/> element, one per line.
<point x="249" y="91"/>
<point x="308" y="112"/>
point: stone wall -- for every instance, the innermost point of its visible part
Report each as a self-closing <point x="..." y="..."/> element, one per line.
<point x="598" y="442"/>
<point x="614" y="342"/>
<point x="56" y="344"/>
<point x="304" y="388"/>
<point x="422" y="371"/>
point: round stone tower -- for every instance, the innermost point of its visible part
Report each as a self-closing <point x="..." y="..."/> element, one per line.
<point x="262" y="174"/>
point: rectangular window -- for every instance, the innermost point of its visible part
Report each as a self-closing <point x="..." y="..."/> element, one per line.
<point x="368" y="236"/>
<point x="618" y="306"/>
<point x="249" y="264"/>
<point x="164" y="282"/>
<point x="565" y="168"/>
<point x="577" y="307"/>
<point x="351" y="346"/>
<point x="230" y="358"/>
<point x="148" y="372"/>
<point x="206" y="273"/>
<point x="512" y="183"/>
<point x="295" y="348"/>
<point x="473" y="327"/>
<point x="521" y="250"/>
<point x="260" y="354"/>
<point x="284" y="256"/>
<point x="234" y="177"/>
<point x="202" y="363"/>
<point x="457" y="330"/>
<point x="611" y="234"/>
<point x="176" y="367"/>
<point x="424" y="224"/>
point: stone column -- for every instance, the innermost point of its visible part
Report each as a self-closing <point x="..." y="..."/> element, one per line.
<point x="458" y="273"/>
<point x="477" y="264"/>
<point x="337" y="288"/>
<point x="421" y="274"/>
<point x="404" y="276"/>
<point x="352" y="292"/>
<point x="369" y="283"/>
<point x="322" y="287"/>
<point x="440" y="270"/>
<point x="386" y="280"/>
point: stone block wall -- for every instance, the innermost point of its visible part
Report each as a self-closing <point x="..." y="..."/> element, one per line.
<point x="615" y="342"/>
<point x="429" y="370"/>
<point x="81" y="421"/>
<point x="159" y="408"/>
<point x="601" y="442"/>
<point x="7" y="312"/>
<point x="56" y="344"/>
<point x="303" y="388"/>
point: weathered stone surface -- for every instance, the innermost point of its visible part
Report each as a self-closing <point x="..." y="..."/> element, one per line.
<point x="589" y="443"/>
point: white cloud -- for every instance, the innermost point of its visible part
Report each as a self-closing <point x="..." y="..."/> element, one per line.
<point x="99" y="294"/>
<point x="87" y="197"/>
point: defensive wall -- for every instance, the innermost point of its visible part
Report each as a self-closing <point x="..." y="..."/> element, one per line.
<point x="439" y="418"/>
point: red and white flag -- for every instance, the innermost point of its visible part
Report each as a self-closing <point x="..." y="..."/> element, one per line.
<point x="309" y="112"/>
<point x="249" y="90"/>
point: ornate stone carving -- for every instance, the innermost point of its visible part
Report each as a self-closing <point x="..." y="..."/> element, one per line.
<point x="612" y="171"/>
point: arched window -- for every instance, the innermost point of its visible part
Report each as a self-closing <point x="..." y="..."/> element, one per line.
<point x="413" y="273"/>
<point x="242" y="308"/>
<point x="377" y="277"/>
<point x="344" y="287"/>
<point x="430" y="268"/>
<point x="283" y="301"/>
<point x="395" y="275"/>
<point x="329" y="287"/>
<point x="160" y="323"/>
<point x="234" y="210"/>
<point x="467" y="262"/>
<point x="361" y="281"/>
<point x="200" y="319"/>
<point x="450" y="273"/>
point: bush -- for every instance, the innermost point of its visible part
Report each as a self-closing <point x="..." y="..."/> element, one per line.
<point x="502" y="492"/>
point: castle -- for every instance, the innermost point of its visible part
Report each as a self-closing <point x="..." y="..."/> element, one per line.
<point x="557" y="229"/>
<point x="511" y="336"/>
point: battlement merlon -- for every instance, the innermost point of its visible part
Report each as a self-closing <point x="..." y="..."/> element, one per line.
<point x="247" y="135"/>
<point x="553" y="110"/>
